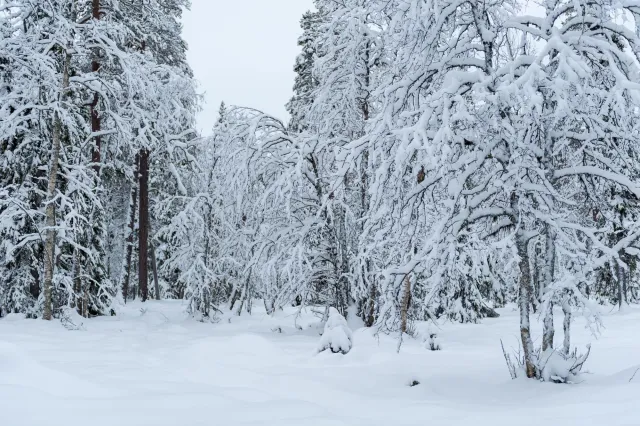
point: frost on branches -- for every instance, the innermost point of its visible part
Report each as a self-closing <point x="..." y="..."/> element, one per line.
<point x="443" y="159"/>
<point x="94" y="94"/>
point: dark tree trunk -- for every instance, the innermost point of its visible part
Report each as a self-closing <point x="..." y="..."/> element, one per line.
<point x="132" y="230"/>
<point x="95" y="117"/>
<point x="370" y="310"/>
<point x="143" y="231"/>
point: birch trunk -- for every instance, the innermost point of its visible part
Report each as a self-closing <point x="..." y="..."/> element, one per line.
<point x="566" y="346"/>
<point x="50" y="239"/>
<point x="549" y="270"/>
<point x="524" y="302"/>
<point x="406" y="298"/>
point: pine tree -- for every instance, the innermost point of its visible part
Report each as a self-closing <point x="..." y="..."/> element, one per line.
<point x="305" y="83"/>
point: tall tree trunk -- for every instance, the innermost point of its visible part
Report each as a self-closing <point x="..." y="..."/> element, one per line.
<point x="524" y="303"/>
<point x="50" y="239"/>
<point x="143" y="231"/>
<point x="132" y="230"/>
<point x="406" y="298"/>
<point x="549" y="271"/>
<point x="95" y="116"/>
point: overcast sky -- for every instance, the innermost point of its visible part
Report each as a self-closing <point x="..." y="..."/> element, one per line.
<point x="243" y="52"/>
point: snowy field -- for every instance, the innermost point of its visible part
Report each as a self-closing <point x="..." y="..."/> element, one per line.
<point x="161" y="368"/>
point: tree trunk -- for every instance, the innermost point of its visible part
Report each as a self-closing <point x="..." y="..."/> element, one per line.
<point x="548" y="328"/>
<point x="625" y="286"/>
<point x="77" y="283"/>
<point x="95" y="116"/>
<point x="566" y="310"/>
<point x="132" y="230"/>
<point x="244" y="295"/>
<point x="406" y="297"/>
<point x="143" y="231"/>
<point x="549" y="271"/>
<point x="154" y="269"/>
<point x="371" y="306"/>
<point x="234" y="296"/>
<point x="524" y="302"/>
<point x="50" y="239"/>
<point x="620" y="278"/>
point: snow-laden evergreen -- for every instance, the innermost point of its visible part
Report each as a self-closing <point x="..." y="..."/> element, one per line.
<point x="80" y="97"/>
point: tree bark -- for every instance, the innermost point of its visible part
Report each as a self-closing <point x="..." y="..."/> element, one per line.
<point x="406" y="297"/>
<point x="50" y="239"/>
<point x="524" y="302"/>
<point x="244" y="295"/>
<point x="549" y="328"/>
<point x="143" y="221"/>
<point x="371" y="306"/>
<point x="620" y="278"/>
<point x="95" y="116"/>
<point x="132" y="230"/>
<point x="154" y="269"/>
<point x="566" y="310"/>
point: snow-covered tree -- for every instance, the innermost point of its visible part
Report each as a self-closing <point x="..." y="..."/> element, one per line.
<point x="505" y="138"/>
<point x="305" y="82"/>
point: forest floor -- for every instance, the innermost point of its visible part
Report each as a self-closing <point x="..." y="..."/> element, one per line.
<point x="160" y="368"/>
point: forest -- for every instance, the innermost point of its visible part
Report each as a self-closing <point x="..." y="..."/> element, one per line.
<point x="445" y="161"/>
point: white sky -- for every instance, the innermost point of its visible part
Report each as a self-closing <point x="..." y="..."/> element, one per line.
<point x="243" y="52"/>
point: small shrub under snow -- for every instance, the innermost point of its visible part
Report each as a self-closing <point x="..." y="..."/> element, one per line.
<point x="550" y="366"/>
<point x="337" y="335"/>
<point x="71" y="319"/>
<point x="433" y="343"/>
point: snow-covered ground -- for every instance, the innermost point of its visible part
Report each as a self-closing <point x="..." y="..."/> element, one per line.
<point x="161" y="368"/>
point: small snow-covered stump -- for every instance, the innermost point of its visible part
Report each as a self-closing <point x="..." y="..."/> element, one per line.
<point x="337" y="335"/>
<point x="433" y="343"/>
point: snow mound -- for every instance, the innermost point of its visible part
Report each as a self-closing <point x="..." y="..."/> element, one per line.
<point x="14" y="317"/>
<point x="562" y="368"/>
<point x="71" y="319"/>
<point x="433" y="342"/>
<point x="337" y="335"/>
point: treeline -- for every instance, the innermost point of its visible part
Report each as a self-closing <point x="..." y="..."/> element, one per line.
<point x="443" y="159"/>
<point x="97" y="109"/>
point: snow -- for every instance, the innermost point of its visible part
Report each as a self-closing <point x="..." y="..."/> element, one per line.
<point x="152" y="365"/>
<point x="337" y="335"/>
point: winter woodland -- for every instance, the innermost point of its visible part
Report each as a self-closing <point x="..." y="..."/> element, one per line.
<point x="443" y="159"/>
